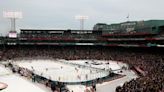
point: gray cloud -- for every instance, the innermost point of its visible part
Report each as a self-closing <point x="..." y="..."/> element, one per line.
<point x="60" y="13"/>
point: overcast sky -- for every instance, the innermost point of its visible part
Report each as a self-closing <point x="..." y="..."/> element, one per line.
<point x="53" y="14"/>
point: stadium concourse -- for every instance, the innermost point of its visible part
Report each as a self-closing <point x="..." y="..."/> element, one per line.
<point x="146" y="62"/>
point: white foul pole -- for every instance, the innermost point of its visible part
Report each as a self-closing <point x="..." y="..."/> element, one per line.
<point x="81" y="19"/>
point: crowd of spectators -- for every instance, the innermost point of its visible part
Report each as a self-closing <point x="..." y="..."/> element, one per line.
<point x="1" y="53"/>
<point x="60" y="36"/>
<point x="148" y="60"/>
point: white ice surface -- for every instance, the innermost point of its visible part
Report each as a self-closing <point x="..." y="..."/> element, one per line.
<point x="113" y="65"/>
<point x="61" y="72"/>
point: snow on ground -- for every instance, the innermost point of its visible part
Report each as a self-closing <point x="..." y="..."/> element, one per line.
<point x="76" y="88"/>
<point x="4" y="71"/>
<point x="17" y="83"/>
<point x="111" y="86"/>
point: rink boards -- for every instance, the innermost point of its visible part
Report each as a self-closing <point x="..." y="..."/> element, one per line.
<point x="59" y="71"/>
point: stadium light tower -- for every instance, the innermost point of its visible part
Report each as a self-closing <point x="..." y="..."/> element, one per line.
<point x="13" y="16"/>
<point x="81" y="19"/>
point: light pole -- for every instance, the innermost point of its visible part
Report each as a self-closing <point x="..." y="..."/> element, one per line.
<point x="81" y="19"/>
<point x="13" y="16"/>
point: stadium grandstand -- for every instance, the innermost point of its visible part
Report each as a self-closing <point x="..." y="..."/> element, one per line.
<point x="139" y="44"/>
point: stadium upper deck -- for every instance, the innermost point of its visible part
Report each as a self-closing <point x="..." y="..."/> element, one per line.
<point x="128" y="34"/>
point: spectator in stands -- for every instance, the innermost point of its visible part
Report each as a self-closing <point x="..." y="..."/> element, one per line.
<point x="149" y="63"/>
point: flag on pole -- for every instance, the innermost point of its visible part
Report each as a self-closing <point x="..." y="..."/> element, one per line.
<point x="127" y="17"/>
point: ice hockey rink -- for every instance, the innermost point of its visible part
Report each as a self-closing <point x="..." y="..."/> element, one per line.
<point x="64" y="73"/>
